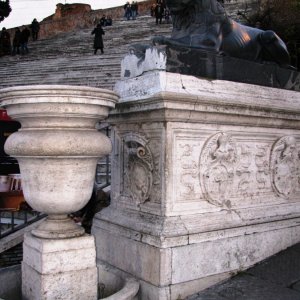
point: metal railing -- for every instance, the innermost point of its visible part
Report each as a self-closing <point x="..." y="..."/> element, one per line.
<point x="12" y="220"/>
<point x="103" y="172"/>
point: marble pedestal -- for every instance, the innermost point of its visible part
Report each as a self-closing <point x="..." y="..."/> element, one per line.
<point x="59" y="269"/>
<point x="205" y="181"/>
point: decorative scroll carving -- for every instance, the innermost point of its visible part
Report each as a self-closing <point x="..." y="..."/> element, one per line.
<point x="138" y="168"/>
<point x="243" y="170"/>
<point x="155" y="193"/>
<point x="189" y="171"/>
<point x="285" y="166"/>
<point x="217" y="168"/>
<point x="262" y="164"/>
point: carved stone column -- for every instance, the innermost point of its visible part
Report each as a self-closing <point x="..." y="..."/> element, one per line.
<point x="205" y="181"/>
<point x="57" y="149"/>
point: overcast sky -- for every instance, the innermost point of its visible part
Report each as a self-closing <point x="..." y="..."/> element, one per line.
<point x="24" y="11"/>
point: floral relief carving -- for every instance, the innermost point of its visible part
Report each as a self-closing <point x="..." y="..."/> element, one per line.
<point x="138" y="168"/>
<point x="243" y="169"/>
<point x="189" y="171"/>
<point x="155" y="193"/>
<point x="285" y="166"/>
<point x="262" y="164"/>
<point x="217" y="168"/>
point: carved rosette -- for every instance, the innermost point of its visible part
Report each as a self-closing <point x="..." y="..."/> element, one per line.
<point x="284" y="164"/>
<point x="138" y="168"/>
<point x="217" y="168"/>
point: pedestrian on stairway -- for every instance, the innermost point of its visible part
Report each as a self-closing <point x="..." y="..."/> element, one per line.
<point x="17" y="42"/>
<point x="159" y="11"/>
<point x="98" y="40"/>
<point x="5" y="42"/>
<point x="127" y="9"/>
<point x="25" y="34"/>
<point x="35" y="28"/>
<point x="134" y="9"/>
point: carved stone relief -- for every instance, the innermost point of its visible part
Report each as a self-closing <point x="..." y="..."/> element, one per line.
<point x="217" y="168"/>
<point x="284" y="165"/>
<point x="262" y="165"/>
<point x="138" y="168"/>
<point x="243" y="170"/>
<point x="189" y="171"/>
<point x="155" y="149"/>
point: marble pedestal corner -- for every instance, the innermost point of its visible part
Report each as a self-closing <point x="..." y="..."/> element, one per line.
<point x="205" y="181"/>
<point x="59" y="269"/>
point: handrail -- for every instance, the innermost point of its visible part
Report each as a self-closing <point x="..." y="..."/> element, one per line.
<point x="8" y="216"/>
<point x="103" y="176"/>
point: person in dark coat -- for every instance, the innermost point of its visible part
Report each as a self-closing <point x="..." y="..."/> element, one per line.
<point x="103" y="21"/>
<point x="5" y="41"/>
<point x="134" y="10"/>
<point x="159" y="12"/>
<point x="109" y="21"/>
<point x="35" y="28"/>
<point x="17" y="42"/>
<point x="25" y="34"/>
<point x="98" y="40"/>
<point x="127" y="9"/>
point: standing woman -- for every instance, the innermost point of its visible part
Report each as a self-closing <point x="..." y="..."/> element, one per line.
<point x="98" y="41"/>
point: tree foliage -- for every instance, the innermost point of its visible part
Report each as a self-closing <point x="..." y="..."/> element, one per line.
<point x="281" y="16"/>
<point x="5" y="9"/>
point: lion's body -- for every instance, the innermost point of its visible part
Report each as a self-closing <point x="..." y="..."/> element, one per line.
<point x="204" y="24"/>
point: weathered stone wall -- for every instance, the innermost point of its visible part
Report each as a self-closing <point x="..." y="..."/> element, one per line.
<point x="77" y="18"/>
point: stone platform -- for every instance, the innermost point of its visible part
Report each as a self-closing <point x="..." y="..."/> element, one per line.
<point x="205" y="181"/>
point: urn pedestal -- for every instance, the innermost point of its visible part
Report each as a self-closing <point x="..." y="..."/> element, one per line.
<point x="205" y="181"/>
<point x="57" y="149"/>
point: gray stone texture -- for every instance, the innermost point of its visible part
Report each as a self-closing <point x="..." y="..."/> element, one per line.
<point x="275" y="278"/>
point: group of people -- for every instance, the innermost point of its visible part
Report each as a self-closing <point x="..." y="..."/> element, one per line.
<point x="20" y="40"/>
<point x="106" y="21"/>
<point x="131" y="10"/>
<point x="19" y="44"/>
<point x="159" y="10"/>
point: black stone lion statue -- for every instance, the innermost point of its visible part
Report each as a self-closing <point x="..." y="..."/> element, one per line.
<point x="204" y="24"/>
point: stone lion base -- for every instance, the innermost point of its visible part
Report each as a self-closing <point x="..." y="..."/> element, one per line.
<point x="205" y="181"/>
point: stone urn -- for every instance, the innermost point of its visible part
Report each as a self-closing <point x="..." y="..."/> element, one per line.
<point x="57" y="149"/>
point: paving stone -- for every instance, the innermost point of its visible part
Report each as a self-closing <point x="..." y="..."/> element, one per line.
<point x="247" y="287"/>
<point x="296" y="286"/>
<point x="282" y="269"/>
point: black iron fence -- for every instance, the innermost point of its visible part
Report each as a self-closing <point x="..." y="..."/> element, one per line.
<point x="103" y="172"/>
<point x="12" y="220"/>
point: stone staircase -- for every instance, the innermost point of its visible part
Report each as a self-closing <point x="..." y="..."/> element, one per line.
<point x="68" y="59"/>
